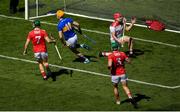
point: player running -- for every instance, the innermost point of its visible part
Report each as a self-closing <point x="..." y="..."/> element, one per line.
<point x="117" y="36"/>
<point x="38" y="37"/>
<point x="68" y="37"/>
<point x="116" y="62"/>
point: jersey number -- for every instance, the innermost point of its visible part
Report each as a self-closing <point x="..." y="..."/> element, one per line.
<point x="38" y="39"/>
<point x="118" y="61"/>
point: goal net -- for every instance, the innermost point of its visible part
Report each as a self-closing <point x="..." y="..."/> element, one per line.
<point x="166" y="11"/>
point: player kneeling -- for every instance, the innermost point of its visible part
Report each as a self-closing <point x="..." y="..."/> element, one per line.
<point x="38" y="37"/>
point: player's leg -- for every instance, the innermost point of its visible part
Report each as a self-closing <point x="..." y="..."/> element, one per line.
<point x="40" y="62"/>
<point x="130" y="45"/>
<point x="81" y="56"/>
<point x="115" y="80"/>
<point x="44" y="56"/>
<point x="83" y="46"/>
<point x="72" y="44"/>
<point x="129" y="40"/>
<point x="116" y="93"/>
<point x="125" y="87"/>
<point x="41" y="68"/>
<point x="106" y="54"/>
<point x="127" y="90"/>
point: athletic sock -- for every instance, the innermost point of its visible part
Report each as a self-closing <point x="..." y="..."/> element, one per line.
<point x="85" y="60"/>
<point x="82" y="57"/>
<point x="130" y="51"/>
<point x="129" y="95"/>
<point x="43" y="74"/>
<point x="118" y="102"/>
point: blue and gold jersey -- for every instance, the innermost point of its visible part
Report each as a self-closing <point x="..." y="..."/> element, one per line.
<point x="65" y="26"/>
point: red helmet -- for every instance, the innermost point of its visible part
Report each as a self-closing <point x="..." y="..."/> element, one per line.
<point x="117" y="15"/>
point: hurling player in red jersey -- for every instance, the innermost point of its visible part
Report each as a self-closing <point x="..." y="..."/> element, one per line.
<point x="38" y="37"/>
<point x="116" y="62"/>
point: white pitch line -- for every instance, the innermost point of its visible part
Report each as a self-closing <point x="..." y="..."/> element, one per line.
<point x="175" y="87"/>
<point x="99" y="32"/>
<point x="104" y="33"/>
<point x="97" y="18"/>
<point x="90" y="72"/>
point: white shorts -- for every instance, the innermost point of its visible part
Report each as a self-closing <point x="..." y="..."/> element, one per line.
<point x="117" y="79"/>
<point x="72" y="41"/>
<point x="41" y="56"/>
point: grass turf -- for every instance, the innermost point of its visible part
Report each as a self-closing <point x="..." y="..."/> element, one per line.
<point x="22" y="87"/>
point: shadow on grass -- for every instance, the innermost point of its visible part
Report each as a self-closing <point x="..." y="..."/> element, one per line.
<point x="136" y="52"/>
<point x="91" y="58"/>
<point x="61" y="72"/>
<point x="138" y="97"/>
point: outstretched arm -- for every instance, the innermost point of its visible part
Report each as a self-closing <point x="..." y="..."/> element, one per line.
<point x="133" y="21"/>
<point x="26" y="46"/>
<point x="50" y="40"/>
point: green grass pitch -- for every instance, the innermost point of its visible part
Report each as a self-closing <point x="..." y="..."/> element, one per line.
<point x="22" y="87"/>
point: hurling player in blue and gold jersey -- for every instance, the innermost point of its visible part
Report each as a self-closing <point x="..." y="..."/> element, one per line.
<point x="67" y="35"/>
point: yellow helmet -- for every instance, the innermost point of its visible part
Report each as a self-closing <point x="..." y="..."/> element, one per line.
<point x="60" y="13"/>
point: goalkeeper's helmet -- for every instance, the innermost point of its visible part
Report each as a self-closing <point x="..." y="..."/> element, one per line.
<point x="36" y="23"/>
<point x="59" y="13"/>
<point x="117" y="15"/>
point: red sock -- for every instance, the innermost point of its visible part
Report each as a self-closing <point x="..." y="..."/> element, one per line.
<point x="43" y="74"/>
<point x="129" y="95"/>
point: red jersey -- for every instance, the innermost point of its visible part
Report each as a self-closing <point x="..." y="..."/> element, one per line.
<point x="118" y="59"/>
<point x="37" y="37"/>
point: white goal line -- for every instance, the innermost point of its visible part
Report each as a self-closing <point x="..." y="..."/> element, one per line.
<point x="90" y="72"/>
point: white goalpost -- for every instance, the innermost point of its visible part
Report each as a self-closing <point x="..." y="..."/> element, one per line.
<point x="27" y="9"/>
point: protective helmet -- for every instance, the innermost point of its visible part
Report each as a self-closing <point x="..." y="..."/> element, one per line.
<point x="60" y="13"/>
<point x="117" y="15"/>
<point x="114" y="46"/>
<point x="36" y="23"/>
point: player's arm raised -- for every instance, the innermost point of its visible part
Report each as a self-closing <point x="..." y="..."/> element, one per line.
<point x="133" y="21"/>
<point x="26" y="46"/>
